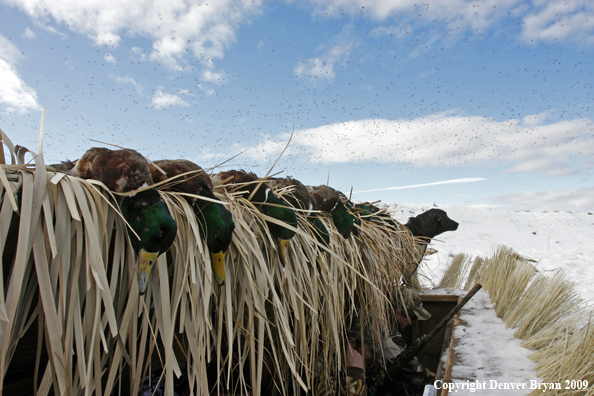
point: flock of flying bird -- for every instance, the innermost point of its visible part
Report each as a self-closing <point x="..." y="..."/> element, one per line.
<point x="126" y="170"/>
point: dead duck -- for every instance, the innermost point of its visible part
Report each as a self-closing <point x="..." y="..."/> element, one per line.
<point x="298" y="197"/>
<point x="351" y="208"/>
<point x="328" y="200"/>
<point x="216" y="222"/>
<point x="261" y="194"/>
<point x="124" y="171"/>
<point x="376" y="214"/>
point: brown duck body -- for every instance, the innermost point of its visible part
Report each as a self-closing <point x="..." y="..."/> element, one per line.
<point x="120" y="170"/>
<point x="192" y="178"/>
<point x="326" y="198"/>
<point x="298" y="197"/>
<point x="244" y="181"/>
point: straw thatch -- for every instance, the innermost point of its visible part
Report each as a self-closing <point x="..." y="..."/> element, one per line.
<point x="455" y="272"/>
<point x="69" y="289"/>
<point x="546" y="313"/>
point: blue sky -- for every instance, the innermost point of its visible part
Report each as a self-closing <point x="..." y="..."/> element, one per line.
<point x="449" y="102"/>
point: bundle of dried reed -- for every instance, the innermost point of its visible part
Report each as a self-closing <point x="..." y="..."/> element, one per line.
<point x="454" y="274"/>
<point x="474" y="273"/>
<point x="69" y="284"/>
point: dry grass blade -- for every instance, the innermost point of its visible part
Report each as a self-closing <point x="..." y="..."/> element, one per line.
<point x="41" y="126"/>
<point x="74" y="259"/>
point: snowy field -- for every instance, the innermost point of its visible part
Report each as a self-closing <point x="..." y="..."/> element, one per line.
<point x="492" y="357"/>
<point x="553" y="240"/>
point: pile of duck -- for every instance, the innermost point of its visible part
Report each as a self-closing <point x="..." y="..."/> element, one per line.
<point x="243" y="281"/>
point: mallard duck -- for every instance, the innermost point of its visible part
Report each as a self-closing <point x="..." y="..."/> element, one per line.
<point x="299" y="198"/>
<point x="376" y="214"/>
<point x="269" y="204"/>
<point x="124" y="171"/>
<point x="215" y="220"/>
<point x="351" y="208"/>
<point x="328" y="200"/>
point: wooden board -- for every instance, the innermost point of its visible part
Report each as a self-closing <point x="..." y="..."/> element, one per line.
<point x="439" y="306"/>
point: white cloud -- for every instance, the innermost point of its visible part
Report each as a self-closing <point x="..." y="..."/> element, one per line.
<point x="28" y="33"/>
<point x="110" y="59"/>
<point x="315" y="68"/>
<point x="126" y="80"/>
<point x="161" y="99"/>
<point x="448" y="139"/>
<point x="555" y="20"/>
<point x="204" y="28"/>
<point x="545" y="20"/>
<point x="139" y="54"/>
<point x="473" y="13"/>
<point x="15" y="95"/>
<point x="581" y="200"/>
<point x="8" y="51"/>
<point x="268" y="147"/>
<point x="321" y="68"/>
<point x="546" y="165"/>
<point x="213" y="77"/>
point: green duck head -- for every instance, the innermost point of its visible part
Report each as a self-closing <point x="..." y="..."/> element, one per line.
<point x="356" y="219"/>
<point x="280" y="211"/>
<point x="149" y="217"/>
<point x="343" y="219"/>
<point x="216" y="224"/>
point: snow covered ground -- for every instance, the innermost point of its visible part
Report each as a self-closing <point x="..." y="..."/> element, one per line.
<point x="492" y="357"/>
<point x="554" y="240"/>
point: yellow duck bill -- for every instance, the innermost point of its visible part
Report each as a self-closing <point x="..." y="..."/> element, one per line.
<point x="218" y="267"/>
<point x="145" y="262"/>
<point x="283" y="250"/>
